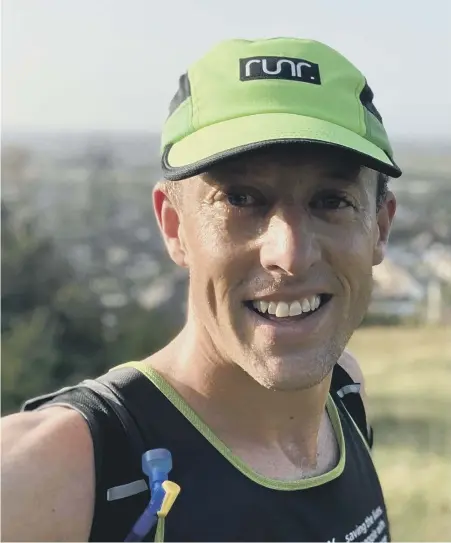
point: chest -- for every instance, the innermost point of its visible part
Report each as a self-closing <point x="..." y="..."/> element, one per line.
<point x="231" y="507"/>
<point x="286" y="462"/>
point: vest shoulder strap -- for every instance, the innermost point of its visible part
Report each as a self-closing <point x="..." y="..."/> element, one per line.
<point x="346" y="391"/>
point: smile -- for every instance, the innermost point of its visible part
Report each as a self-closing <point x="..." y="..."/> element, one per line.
<point x="283" y="311"/>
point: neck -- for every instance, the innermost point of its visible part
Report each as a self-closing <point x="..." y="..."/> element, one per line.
<point x="235" y="406"/>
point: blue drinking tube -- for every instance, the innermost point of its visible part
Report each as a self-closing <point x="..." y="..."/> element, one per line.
<point x="156" y="464"/>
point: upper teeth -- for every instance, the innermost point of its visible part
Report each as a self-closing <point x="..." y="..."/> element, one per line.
<point x="288" y="309"/>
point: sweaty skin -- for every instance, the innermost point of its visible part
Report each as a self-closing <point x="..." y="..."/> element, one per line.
<point x="275" y="225"/>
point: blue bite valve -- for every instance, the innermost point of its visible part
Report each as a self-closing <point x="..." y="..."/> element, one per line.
<point x="156" y="464"/>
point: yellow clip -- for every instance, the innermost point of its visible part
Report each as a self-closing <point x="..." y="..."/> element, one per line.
<point x="171" y="491"/>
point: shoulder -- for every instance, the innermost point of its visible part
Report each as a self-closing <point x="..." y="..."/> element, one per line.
<point x="48" y="475"/>
<point x="351" y="365"/>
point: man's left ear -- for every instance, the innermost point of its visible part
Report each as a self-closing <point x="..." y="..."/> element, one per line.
<point x="385" y="217"/>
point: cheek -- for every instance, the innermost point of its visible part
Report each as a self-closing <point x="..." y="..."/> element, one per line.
<point x="207" y="243"/>
<point x="215" y="260"/>
<point x="352" y="255"/>
<point x="220" y="238"/>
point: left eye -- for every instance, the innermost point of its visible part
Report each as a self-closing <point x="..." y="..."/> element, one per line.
<point x="241" y="199"/>
<point x="331" y="202"/>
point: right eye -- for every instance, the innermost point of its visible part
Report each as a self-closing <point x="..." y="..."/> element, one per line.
<point x="241" y="199"/>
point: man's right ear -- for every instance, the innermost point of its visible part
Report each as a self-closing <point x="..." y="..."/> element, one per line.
<point x="168" y="218"/>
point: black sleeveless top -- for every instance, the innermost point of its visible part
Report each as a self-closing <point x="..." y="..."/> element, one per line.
<point x="221" y="498"/>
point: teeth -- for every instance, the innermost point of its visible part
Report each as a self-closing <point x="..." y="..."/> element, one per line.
<point x="261" y="305"/>
<point x="285" y="309"/>
<point x="282" y="310"/>
<point x="295" y="309"/>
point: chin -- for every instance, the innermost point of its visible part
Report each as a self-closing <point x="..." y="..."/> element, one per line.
<point x="286" y="377"/>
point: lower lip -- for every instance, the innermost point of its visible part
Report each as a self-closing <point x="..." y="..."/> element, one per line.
<point x="291" y="329"/>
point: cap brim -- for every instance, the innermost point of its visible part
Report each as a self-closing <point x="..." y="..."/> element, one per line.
<point x="199" y="151"/>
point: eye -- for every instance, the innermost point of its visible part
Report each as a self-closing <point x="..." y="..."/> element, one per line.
<point x="241" y="199"/>
<point x="331" y="202"/>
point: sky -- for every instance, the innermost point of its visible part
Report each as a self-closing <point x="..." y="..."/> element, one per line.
<point x="78" y="65"/>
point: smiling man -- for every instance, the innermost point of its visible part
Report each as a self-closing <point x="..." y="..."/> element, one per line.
<point x="275" y="199"/>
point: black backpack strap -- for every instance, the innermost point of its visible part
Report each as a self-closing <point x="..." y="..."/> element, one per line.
<point x="104" y="393"/>
<point x="117" y="405"/>
<point x="347" y="391"/>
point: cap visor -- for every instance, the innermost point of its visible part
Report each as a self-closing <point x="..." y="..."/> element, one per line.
<point x="212" y="144"/>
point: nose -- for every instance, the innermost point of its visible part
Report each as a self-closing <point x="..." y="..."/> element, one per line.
<point x="289" y="246"/>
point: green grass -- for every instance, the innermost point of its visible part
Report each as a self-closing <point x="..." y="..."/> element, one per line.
<point x="408" y="381"/>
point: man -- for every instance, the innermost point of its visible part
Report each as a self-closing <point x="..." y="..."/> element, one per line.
<point x="275" y="162"/>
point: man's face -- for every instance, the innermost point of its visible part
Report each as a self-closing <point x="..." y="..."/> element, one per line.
<point x="280" y="247"/>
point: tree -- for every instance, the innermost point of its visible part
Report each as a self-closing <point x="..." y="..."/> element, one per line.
<point x="53" y="325"/>
<point x="52" y="332"/>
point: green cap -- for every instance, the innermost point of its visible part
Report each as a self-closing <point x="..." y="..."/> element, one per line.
<point x="244" y="95"/>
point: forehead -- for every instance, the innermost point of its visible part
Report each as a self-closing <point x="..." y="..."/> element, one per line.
<point x="290" y="161"/>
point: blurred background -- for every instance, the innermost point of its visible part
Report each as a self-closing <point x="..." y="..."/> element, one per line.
<point x="86" y="283"/>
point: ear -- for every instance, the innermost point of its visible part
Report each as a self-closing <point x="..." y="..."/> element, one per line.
<point x="168" y="218"/>
<point x="385" y="217"/>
